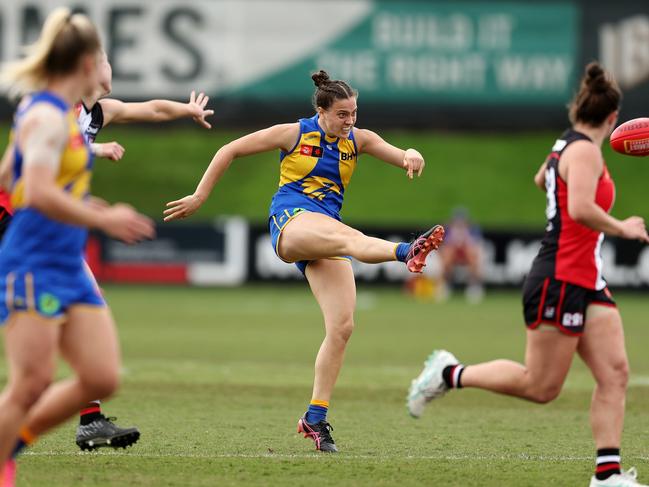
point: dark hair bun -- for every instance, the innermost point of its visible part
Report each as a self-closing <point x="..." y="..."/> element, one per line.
<point x="596" y="78"/>
<point x="320" y="78"/>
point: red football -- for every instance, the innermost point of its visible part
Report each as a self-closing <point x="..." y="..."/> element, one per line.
<point x="632" y="137"/>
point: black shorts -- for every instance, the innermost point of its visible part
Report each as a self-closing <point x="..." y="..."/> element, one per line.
<point x="561" y="304"/>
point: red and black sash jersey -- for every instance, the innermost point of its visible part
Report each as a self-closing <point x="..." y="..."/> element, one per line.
<point x="570" y="251"/>
<point x="91" y="121"/>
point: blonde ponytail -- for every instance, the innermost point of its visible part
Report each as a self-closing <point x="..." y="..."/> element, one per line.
<point x="64" y="38"/>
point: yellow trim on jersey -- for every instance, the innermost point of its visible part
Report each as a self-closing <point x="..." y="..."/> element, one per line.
<point x="47" y="320"/>
<point x="347" y="165"/>
<point x="72" y="174"/>
<point x="281" y="229"/>
<point x="340" y="257"/>
<point x="88" y="307"/>
<point x="296" y="166"/>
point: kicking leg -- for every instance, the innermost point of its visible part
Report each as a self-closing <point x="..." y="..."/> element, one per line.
<point x="312" y="236"/>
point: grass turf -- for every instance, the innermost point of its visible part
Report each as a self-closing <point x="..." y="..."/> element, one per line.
<point x="491" y="174"/>
<point x="216" y="380"/>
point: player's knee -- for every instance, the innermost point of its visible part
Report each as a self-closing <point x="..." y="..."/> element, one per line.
<point x="28" y="390"/>
<point x="342" y="329"/>
<point x="617" y="375"/>
<point x="543" y="394"/>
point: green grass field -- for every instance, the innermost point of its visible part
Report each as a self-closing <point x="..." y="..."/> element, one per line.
<point x="216" y="380"/>
<point x="491" y="174"/>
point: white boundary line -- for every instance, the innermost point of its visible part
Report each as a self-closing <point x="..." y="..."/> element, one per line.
<point x="339" y="457"/>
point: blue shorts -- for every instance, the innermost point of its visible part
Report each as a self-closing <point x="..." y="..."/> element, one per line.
<point x="276" y="225"/>
<point x="48" y="292"/>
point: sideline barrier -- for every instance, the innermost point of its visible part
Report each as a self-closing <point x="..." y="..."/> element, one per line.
<point x="231" y="252"/>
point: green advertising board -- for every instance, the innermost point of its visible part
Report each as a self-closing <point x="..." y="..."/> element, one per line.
<point x="443" y="52"/>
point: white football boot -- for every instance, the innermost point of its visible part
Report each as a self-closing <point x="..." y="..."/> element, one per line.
<point x="628" y="478"/>
<point x="429" y="384"/>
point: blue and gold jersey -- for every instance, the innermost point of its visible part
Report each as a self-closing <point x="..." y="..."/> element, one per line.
<point x="33" y="239"/>
<point x="316" y="172"/>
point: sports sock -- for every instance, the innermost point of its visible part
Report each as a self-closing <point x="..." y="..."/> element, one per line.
<point x="25" y="438"/>
<point x="608" y="463"/>
<point x="90" y="413"/>
<point x="317" y="411"/>
<point x="401" y="251"/>
<point x="452" y="376"/>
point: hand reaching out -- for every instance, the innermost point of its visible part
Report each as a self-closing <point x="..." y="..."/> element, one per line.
<point x="413" y="162"/>
<point x="197" y="106"/>
<point x="182" y="208"/>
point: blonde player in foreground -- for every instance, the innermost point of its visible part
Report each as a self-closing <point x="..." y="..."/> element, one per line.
<point x="49" y="303"/>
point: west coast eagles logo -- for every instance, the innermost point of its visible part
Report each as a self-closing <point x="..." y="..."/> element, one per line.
<point x="318" y="187"/>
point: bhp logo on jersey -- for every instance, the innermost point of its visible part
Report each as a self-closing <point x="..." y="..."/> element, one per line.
<point x="311" y="150"/>
<point x="347" y="156"/>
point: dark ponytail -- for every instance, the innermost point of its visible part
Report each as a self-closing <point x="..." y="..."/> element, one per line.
<point x="599" y="95"/>
<point x="328" y="90"/>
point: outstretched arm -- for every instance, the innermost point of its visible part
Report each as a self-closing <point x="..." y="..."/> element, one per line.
<point x="276" y="137"/>
<point x="6" y="167"/>
<point x="156" y="110"/>
<point x="108" y="150"/>
<point x="371" y="143"/>
<point x="43" y="139"/>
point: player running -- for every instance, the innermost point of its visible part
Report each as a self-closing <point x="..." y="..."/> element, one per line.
<point x="94" y="113"/>
<point x="48" y="301"/>
<point x="317" y="158"/>
<point x="567" y="306"/>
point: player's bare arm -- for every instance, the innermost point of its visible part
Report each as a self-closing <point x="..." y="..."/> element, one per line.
<point x="373" y="144"/>
<point x="117" y="111"/>
<point x="539" y="177"/>
<point x="5" y="167"/>
<point x="112" y="151"/>
<point x="42" y="139"/>
<point x="584" y="166"/>
<point x="282" y="137"/>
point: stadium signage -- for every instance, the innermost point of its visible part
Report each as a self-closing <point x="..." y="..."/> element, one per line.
<point x="439" y="63"/>
<point x="230" y="252"/>
<point x="459" y="52"/>
<point x="624" y="48"/>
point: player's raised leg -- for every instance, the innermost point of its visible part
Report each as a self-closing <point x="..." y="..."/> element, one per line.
<point x="332" y="283"/>
<point x="319" y="236"/>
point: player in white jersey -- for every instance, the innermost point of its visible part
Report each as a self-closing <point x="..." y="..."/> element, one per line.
<point x="94" y="113"/>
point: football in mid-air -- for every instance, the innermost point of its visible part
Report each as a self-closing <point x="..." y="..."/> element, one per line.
<point x="632" y="137"/>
